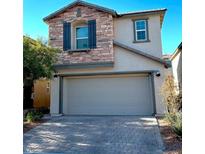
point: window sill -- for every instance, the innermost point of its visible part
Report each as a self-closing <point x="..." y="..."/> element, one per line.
<point x="146" y="41"/>
<point x="78" y="50"/>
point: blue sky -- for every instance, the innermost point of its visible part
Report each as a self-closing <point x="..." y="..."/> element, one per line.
<point x="35" y="10"/>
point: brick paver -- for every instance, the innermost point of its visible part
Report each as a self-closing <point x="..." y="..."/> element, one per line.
<point x="95" y="135"/>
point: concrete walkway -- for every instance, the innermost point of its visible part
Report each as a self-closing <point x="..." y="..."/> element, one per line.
<point x="95" y="135"/>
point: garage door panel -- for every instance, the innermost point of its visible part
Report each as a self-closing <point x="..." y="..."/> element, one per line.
<point x="107" y="96"/>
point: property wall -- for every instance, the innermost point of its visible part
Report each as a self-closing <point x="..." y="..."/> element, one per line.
<point x="104" y="35"/>
<point x="126" y="35"/>
<point x="41" y="93"/>
<point x="128" y="61"/>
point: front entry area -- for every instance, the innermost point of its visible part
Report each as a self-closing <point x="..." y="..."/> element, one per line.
<point x="108" y="95"/>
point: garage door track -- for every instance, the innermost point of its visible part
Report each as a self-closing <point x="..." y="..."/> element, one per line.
<point x="95" y="135"/>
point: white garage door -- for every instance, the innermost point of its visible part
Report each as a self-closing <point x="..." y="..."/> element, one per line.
<point x="108" y="95"/>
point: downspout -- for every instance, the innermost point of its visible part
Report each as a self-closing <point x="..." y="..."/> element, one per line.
<point x="60" y="95"/>
<point x="153" y="93"/>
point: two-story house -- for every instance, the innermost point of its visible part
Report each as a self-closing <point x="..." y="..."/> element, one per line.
<point x="110" y="63"/>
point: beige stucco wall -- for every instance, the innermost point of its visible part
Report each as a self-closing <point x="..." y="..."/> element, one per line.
<point x="124" y="61"/>
<point x="124" y="33"/>
<point x="168" y="71"/>
<point x="54" y="105"/>
<point x="127" y="61"/>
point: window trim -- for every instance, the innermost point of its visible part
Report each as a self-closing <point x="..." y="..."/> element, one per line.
<point x="141" y="30"/>
<point x="79" y="38"/>
<point x="146" y="31"/>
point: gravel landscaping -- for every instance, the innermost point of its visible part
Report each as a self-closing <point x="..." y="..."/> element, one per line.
<point x="172" y="142"/>
<point x="29" y="125"/>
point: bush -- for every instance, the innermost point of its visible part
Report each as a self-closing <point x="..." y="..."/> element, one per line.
<point x="172" y="95"/>
<point x="173" y="100"/>
<point x="176" y="122"/>
<point x="34" y="116"/>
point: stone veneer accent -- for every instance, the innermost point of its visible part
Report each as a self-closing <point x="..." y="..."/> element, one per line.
<point x="104" y="35"/>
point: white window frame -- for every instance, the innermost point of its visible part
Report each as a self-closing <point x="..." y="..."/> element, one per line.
<point x="79" y="38"/>
<point x="145" y="30"/>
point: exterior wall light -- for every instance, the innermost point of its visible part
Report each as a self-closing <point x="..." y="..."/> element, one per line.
<point x="158" y="74"/>
<point x="55" y="75"/>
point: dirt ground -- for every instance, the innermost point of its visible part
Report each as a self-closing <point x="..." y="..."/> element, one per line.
<point x="28" y="126"/>
<point x="172" y="143"/>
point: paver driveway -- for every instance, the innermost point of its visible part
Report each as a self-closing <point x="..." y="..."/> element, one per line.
<point x="95" y="135"/>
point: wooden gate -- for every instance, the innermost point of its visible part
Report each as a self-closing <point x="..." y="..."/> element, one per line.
<point x="41" y="94"/>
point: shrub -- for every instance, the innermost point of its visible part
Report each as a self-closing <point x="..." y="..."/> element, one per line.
<point x="30" y="117"/>
<point x="173" y="100"/>
<point x="34" y="116"/>
<point x="171" y="94"/>
<point x="176" y="122"/>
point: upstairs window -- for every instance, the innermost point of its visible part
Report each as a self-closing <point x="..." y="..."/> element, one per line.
<point x="82" y="37"/>
<point x="141" y="33"/>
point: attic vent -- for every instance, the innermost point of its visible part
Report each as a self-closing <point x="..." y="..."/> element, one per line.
<point x="78" y="12"/>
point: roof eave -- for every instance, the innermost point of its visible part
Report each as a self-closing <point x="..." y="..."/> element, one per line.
<point x="177" y="51"/>
<point x="143" y="12"/>
<point x="83" y="65"/>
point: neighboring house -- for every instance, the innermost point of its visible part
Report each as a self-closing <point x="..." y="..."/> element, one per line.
<point x="176" y="59"/>
<point x="167" y="71"/>
<point x="110" y="64"/>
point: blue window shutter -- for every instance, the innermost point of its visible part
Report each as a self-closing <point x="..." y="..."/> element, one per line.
<point x="66" y="36"/>
<point x="92" y="34"/>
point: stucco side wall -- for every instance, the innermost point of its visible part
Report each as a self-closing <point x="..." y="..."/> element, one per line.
<point x="126" y="35"/>
<point x="158" y="82"/>
<point x="168" y="71"/>
<point x="128" y="61"/>
<point x="54" y="107"/>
